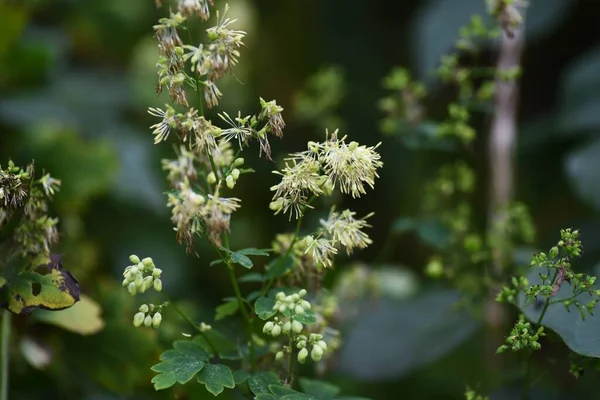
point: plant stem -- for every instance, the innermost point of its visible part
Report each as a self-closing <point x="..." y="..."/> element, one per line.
<point x="527" y="384"/>
<point x="188" y="319"/>
<point x="290" y="375"/>
<point x="6" y="316"/>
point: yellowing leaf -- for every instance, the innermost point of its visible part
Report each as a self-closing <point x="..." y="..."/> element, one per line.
<point x="83" y="317"/>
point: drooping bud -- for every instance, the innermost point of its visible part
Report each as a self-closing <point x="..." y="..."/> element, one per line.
<point x="297" y="326"/>
<point x="132" y="289"/>
<point x="158" y="285"/>
<point x="276" y="331"/>
<point x="268" y="327"/>
<point x="144" y="308"/>
<point x="134" y="259"/>
<point x="287" y="326"/>
<point x="279" y="356"/>
<point x="148" y="321"/>
<point x="156" y="320"/>
<point x="316" y="353"/>
<point x="138" y="319"/>
<point x="302" y="354"/>
<point x="211" y="178"/>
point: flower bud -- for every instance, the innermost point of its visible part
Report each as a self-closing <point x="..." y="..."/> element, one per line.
<point x="322" y="344"/>
<point x="302" y="354"/>
<point x="139" y="281"/>
<point x="302" y="293"/>
<point x="156" y="320"/>
<point x="299" y="310"/>
<point x="301" y="344"/>
<point x="230" y="182"/>
<point x="158" y="285"/>
<point x="133" y="272"/>
<point x="316" y="353"/>
<point x="138" y="319"/>
<point x="280" y="296"/>
<point x="238" y="161"/>
<point x="147" y="321"/>
<point x="279" y="356"/>
<point x="282" y="307"/>
<point x="287" y="326"/>
<point x="156" y="273"/>
<point x="148" y="282"/>
<point x="211" y="178"/>
<point x="125" y="282"/>
<point x="554" y="252"/>
<point x="148" y="262"/>
<point x="235" y="173"/>
<point x="144" y="308"/>
<point x="305" y="304"/>
<point x="132" y="289"/>
<point x="295" y="297"/>
<point x="268" y="327"/>
<point x="276" y="331"/>
<point x="296" y="326"/>
<point x="134" y="259"/>
<point x="276" y="205"/>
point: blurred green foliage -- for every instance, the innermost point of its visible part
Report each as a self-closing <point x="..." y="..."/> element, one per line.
<point x="77" y="76"/>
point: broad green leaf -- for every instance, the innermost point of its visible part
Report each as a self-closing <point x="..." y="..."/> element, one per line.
<point x="216" y="377"/>
<point x="83" y="317"/>
<point x="213" y="340"/>
<point x="297" y="396"/>
<point x="264" y="307"/>
<point x="180" y="365"/>
<point x="279" y="267"/>
<point x="319" y="389"/>
<point x="280" y="391"/>
<point x="240" y="376"/>
<point x="226" y="309"/>
<point x="421" y="329"/>
<point x="253" y="252"/>
<point x="265" y="396"/>
<point x="583" y="167"/>
<point x="259" y="382"/>
<point x="252" y="277"/>
<point x="50" y="287"/>
<point x="241" y="259"/>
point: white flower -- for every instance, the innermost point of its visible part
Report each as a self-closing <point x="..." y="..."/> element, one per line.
<point x="347" y="230"/>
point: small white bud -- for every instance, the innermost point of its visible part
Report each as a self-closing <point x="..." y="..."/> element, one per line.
<point x="156" y="320"/>
<point x="211" y="178"/>
<point x="299" y="310"/>
<point x="238" y="162"/>
<point x="305" y="304"/>
<point x="302" y="293"/>
<point x="148" y="282"/>
<point x="235" y="173"/>
<point x="302" y="354"/>
<point x="133" y="271"/>
<point x="139" y="281"/>
<point x="158" y="285"/>
<point x="156" y="273"/>
<point x="134" y="259"/>
<point x="280" y="296"/>
<point x="147" y="321"/>
<point x="295" y="297"/>
<point x="301" y="344"/>
<point x="230" y="182"/>
<point x="132" y="289"/>
<point x="144" y="308"/>
<point x="279" y="356"/>
<point x="287" y="326"/>
<point x="322" y="344"/>
<point x="276" y="331"/>
<point x="268" y="327"/>
<point x="148" y="262"/>
<point x="282" y="307"/>
<point x="138" y="319"/>
<point x="316" y="353"/>
<point x="125" y="282"/>
<point x="297" y="326"/>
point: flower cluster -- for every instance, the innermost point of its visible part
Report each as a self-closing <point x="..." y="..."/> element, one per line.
<point x="318" y="170"/>
<point x="523" y="336"/>
<point x="149" y="315"/>
<point x="318" y="347"/>
<point x="296" y="305"/>
<point x="141" y="276"/>
<point x="197" y="7"/>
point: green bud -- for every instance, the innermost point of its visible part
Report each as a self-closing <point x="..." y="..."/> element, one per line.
<point x="156" y="320"/>
<point x="268" y="327"/>
<point x="322" y="344"/>
<point x="305" y="304"/>
<point x="296" y="326"/>
<point x="158" y="285"/>
<point x="144" y="308"/>
<point x="302" y="293"/>
<point x="133" y="272"/>
<point x="279" y="356"/>
<point x="230" y="182"/>
<point x="139" y="281"/>
<point x="134" y="259"/>
<point x="302" y="354"/>
<point x="138" y="319"/>
<point x="282" y="307"/>
<point x="235" y="173"/>
<point x="211" y="178"/>
<point x="156" y="273"/>
<point x="301" y="344"/>
<point x="147" y="321"/>
<point x="287" y="326"/>
<point x="238" y="162"/>
<point x="132" y="289"/>
<point x="316" y="353"/>
<point x="280" y="296"/>
<point x="125" y="282"/>
<point x="299" y="310"/>
<point x="276" y="331"/>
<point x="554" y="252"/>
<point x="148" y="282"/>
<point x="148" y="262"/>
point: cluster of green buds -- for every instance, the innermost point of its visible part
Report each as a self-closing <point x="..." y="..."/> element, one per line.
<point x="286" y="325"/>
<point x="141" y="276"/>
<point x="318" y="347"/>
<point x="231" y="178"/>
<point x="149" y="315"/>
<point x="523" y="336"/>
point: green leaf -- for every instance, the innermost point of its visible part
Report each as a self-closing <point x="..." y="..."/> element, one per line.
<point x="83" y="317"/>
<point x="259" y="382"/>
<point x="263" y="307"/>
<point x="279" y="267"/>
<point x="216" y="377"/>
<point x="216" y="262"/>
<point x="286" y="393"/>
<point x="240" y="376"/>
<point x="252" y="277"/>
<point x="319" y="389"/>
<point x="429" y="325"/>
<point x="241" y="259"/>
<point x="213" y="340"/>
<point x="253" y="252"/>
<point x="265" y="396"/>
<point x="50" y="287"/>
<point x="308" y="317"/>
<point x="226" y="309"/>
<point x="179" y="365"/>
<point x="582" y="167"/>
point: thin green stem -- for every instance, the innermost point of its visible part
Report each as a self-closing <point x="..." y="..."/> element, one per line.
<point x="290" y="375"/>
<point x="527" y="384"/>
<point x="188" y="319"/>
<point x="6" y="317"/>
<point x="196" y="76"/>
